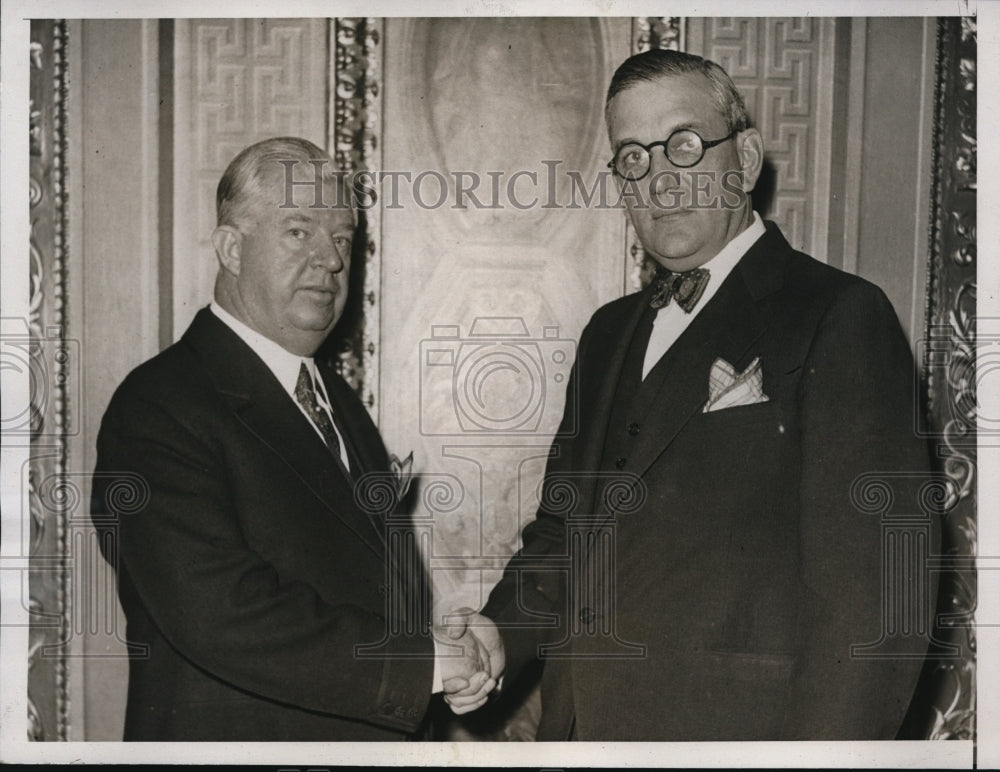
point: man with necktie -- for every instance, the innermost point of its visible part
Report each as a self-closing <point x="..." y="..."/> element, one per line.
<point x="705" y="564"/>
<point x="265" y="591"/>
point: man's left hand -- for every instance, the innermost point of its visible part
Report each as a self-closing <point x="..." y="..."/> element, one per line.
<point x="466" y="695"/>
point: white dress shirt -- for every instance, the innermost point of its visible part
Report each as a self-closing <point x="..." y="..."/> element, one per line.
<point x="285" y="366"/>
<point x="672" y="320"/>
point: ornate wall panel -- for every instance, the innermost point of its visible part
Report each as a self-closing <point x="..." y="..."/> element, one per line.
<point x="482" y="303"/>
<point x="238" y="81"/>
<point x="41" y="344"/>
<point x="470" y="284"/>
<point x="783" y="67"/>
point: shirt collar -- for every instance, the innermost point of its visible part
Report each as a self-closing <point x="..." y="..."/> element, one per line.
<point x="720" y="266"/>
<point x="730" y="255"/>
<point x="284" y="364"/>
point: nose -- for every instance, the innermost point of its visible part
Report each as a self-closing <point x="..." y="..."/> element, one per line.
<point x="658" y="161"/>
<point x="663" y="175"/>
<point x="328" y="256"/>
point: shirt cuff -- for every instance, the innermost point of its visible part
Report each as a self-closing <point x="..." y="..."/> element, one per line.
<point x="436" y="684"/>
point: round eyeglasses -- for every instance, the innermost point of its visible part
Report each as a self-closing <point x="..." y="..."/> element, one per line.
<point x="684" y="148"/>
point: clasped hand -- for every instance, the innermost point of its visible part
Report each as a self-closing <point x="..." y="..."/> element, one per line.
<point x="472" y="659"/>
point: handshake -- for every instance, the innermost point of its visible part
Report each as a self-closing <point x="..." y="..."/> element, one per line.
<point x="470" y="658"/>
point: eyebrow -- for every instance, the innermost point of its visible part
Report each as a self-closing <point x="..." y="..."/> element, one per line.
<point x="345" y="229"/>
<point x="690" y="124"/>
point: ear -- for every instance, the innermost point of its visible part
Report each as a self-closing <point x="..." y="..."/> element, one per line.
<point x="751" y="149"/>
<point x="228" y="242"/>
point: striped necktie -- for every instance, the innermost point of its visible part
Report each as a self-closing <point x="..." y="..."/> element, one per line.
<point x="305" y="394"/>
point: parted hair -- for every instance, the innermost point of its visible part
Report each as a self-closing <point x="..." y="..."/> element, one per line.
<point x="664" y="63"/>
<point x="242" y="182"/>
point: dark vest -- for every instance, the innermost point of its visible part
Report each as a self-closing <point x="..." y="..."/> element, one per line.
<point x="633" y="400"/>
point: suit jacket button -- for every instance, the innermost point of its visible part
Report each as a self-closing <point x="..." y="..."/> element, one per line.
<point x="620" y="463"/>
<point x="633" y="429"/>
<point x="587" y="615"/>
<point x="381" y="589"/>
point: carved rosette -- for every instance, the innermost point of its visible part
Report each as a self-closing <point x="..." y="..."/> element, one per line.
<point x="50" y="370"/>
<point x="356" y="143"/>
<point x="949" y="366"/>
<point x="648" y="33"/>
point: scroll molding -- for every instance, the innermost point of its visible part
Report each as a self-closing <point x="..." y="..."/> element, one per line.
<point x="950" y="380"/>
<point x="52" y="373"/>
<point x="356" y="144"/>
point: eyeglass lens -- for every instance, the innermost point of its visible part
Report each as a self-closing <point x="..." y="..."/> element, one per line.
<point x="684" y="148"/>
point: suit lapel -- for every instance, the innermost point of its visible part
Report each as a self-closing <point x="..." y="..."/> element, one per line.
<point x="727" y="327"/>
<point x="362" y="436"/>
<point x="259" y="402"/>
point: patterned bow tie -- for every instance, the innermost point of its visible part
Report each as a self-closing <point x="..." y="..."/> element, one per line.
<point x="685" y="288"/>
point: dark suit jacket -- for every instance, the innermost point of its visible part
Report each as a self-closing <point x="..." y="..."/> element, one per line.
<point x="720" y="599"/>
<point x="249" y="571"/>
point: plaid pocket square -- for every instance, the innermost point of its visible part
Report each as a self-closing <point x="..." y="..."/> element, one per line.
<point x="728" y="388"/>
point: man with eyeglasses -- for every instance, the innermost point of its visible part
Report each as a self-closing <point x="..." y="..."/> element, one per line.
<point x="707" y="559"/>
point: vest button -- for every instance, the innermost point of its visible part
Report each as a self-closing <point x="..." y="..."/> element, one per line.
<point x="587" y="615"/>
<point x="633" y="429"/>
<point x="620" y="463"/>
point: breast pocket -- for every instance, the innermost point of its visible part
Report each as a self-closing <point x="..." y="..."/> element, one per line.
<point x="762" y="415"/>
<point x="737" y="447"/>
